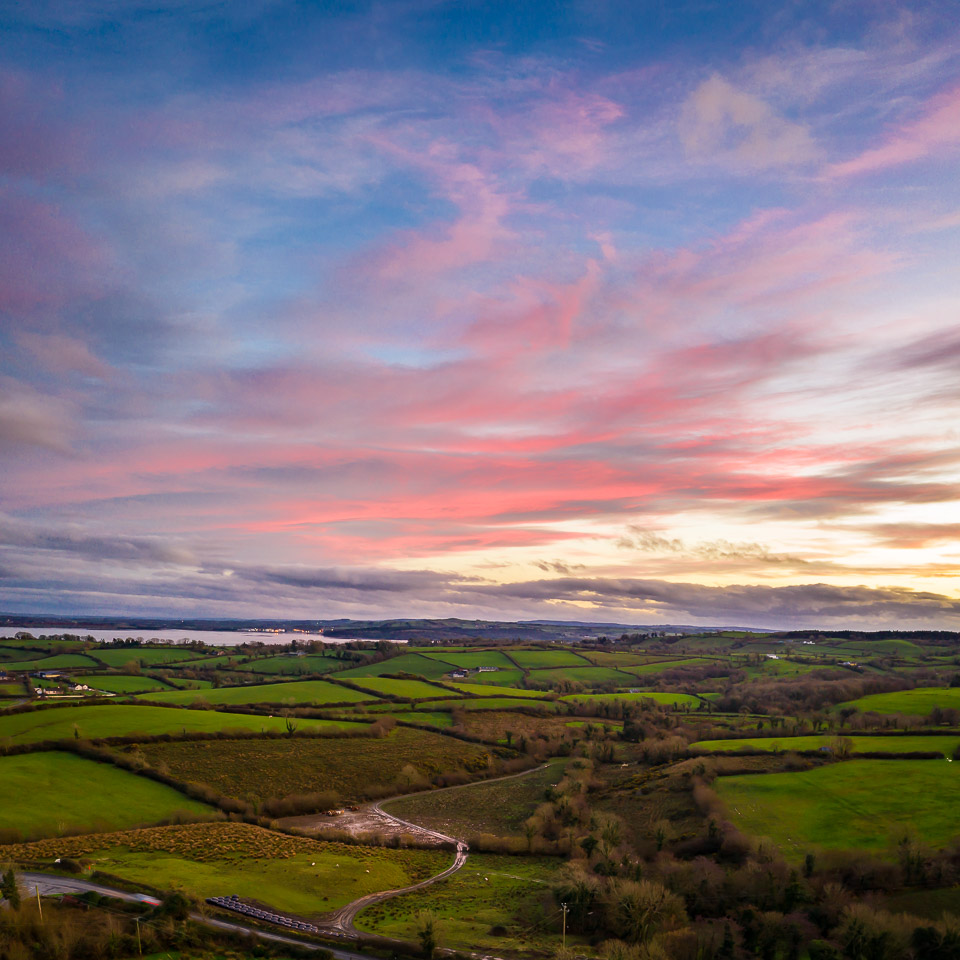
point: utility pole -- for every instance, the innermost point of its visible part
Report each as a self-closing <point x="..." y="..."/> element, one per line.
<point x="39" y="907"/>
<point x="139" y="946"/>
<point x="564" y="940"/>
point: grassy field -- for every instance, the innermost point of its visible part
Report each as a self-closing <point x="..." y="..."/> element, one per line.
<point x="603" y="658"/>
<point x="500" y="678"/>
<point x="181" y="682"/>
<point x="120" y="683"/>
<point x="589" y="676"/>
<point x="70" y="793"/>
<point x="413" y="689"/>
<point x="147" y="656"/>
<point x="12" y="689"/>
<point x="18" y="653"/>
<point x="61" y="661"/>
<point x="873" y="648"/>
<point x="309" y="663"/>
<point x="472" y="659"/>
<point x="415" y="663"/>
<point x="862" y="804"/>
<point x="295" y="874"/>
<point x="127" y="720"/>
<point x="931" y="904"/>
<point x="881" y="744"/>
<point x="499" y="807"/>
<point x="506" y="703"/>
<point x="664" y="699"/>
<point x="400" y="711"/>
<point x="257" y="770"/>
<point x="483" y="690"/>
<point x="318" y="692"/>
<point x="436" y="718"/>
<point x="784" y="668"/>
<point x="37" y="644"/>
<point x="531" y="659"/>
<point x="490" y="891"/>
<point x="646" y="669"/>
<point x="917" y="702"/>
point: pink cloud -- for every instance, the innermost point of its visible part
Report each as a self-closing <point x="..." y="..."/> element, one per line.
<point x="46" y="259"/>
<point x="62" y="354"/>
<point x="936" y="131"/>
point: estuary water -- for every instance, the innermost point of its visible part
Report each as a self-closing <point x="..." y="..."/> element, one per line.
<point x="214" y="638"/>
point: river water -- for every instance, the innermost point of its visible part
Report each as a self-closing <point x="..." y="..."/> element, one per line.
<point x="215" y="638"/>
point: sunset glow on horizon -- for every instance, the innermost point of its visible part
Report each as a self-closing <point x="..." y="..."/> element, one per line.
<point x="626" y="312"/>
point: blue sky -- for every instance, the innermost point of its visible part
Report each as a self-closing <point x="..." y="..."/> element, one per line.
<point x="613" y="311"/>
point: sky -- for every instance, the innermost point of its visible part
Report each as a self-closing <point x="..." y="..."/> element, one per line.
<point x="632" y="311"/>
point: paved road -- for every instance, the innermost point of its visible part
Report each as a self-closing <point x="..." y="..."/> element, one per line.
<point x="339" y="924"/>
<point x="49" y="885"/>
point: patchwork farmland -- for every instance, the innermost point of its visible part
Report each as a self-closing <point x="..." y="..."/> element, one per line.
<point x="302" y="778"/>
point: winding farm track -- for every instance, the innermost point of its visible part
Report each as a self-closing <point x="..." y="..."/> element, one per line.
<point x="342" y="921"/>
<point x="339" y="924"/>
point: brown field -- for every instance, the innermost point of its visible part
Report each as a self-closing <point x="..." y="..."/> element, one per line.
<point x="196" y="841"/>
<point x="494" y="724"/>
<point x="499" y="807"/>
<point x="257" y="770"/>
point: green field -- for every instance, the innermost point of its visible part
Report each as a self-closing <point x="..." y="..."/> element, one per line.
<point x="499" y="678"/>
<point x="307" y="664"/>
<point x="472" y="659"/>
<point x="147" y="656"/>
<point x="18" y="653"/>
<point x="258" y="770"/>
<point x="436" y="718"/>
<point x="603" y="658"/>
<point x="412" y="689"/>
<point x="917" y="702"/>
<point x="588" y="676"/>
<point x="879" y="744"/>
<point x="293" y="874"/>
<point x="70" y="794"/>
<point x="415" y="663"/>
<point x="61" y="661"/>
<point x="404" y="711"/>
<point x="12" y="689"/>
<point x="532" y="659"/>
<point x="858" y="804"/>
<point x="506" y="703"/>
<point x="490" y="891"/>
<point x="785" y="668"/>
<point x="127" y="720"/>
<point x="48" y="644"/>
<point x="180" y="682"/>
<point x="498" y="807"/>
<point x="482" y="689"/>
<point x="872" y="648"/>
<point x="317" y="692"/>
<point x="646" y="669"/>
<point x="120" y="683"/>
<point x="664" y="699"/>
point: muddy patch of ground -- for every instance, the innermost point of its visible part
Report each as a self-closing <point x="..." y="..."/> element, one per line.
<point x="366" y="820"/>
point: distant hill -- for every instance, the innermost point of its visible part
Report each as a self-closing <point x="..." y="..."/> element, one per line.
<point x="399" y="629"/>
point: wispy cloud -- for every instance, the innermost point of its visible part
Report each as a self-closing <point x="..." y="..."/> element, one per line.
<point x="372" y="299"/>
<point x="936" y="131"/>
